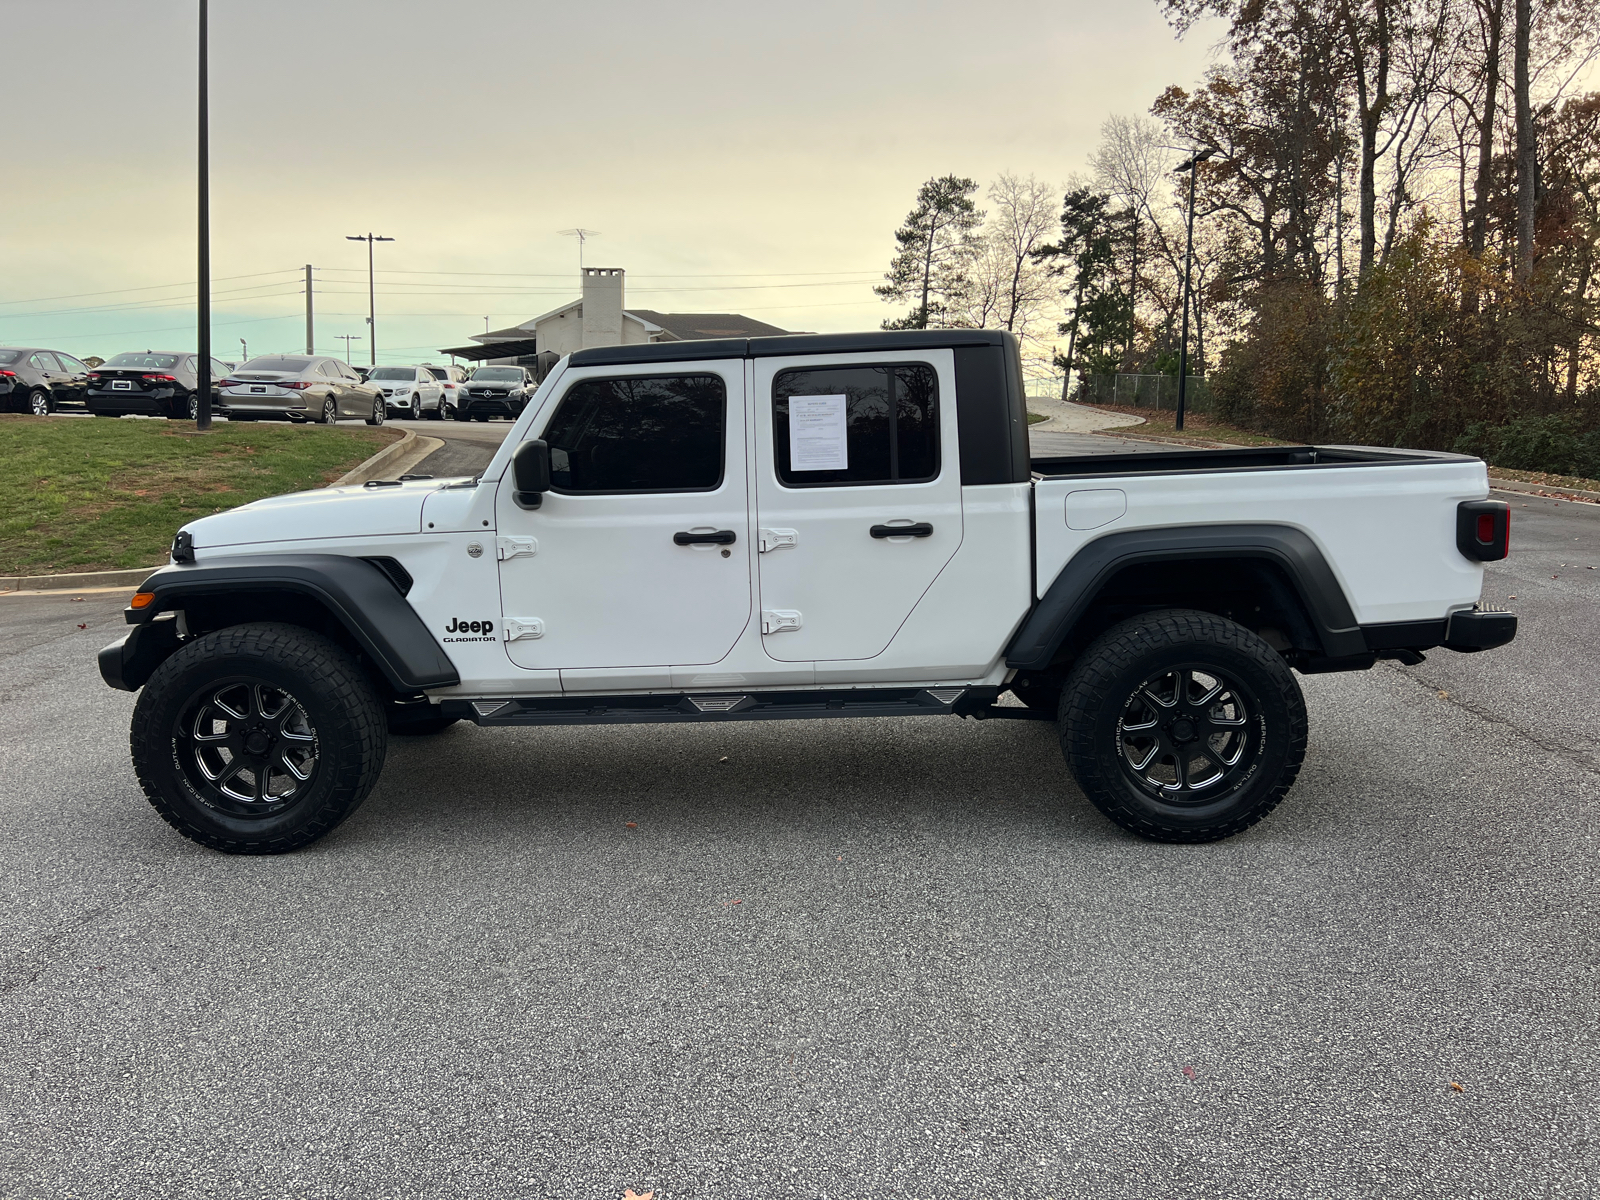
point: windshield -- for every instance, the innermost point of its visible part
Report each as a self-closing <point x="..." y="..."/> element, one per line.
<point x="9" y="356"/>
<point x="276" y="362"/>
<point x="405" y="373"/>
<point x="148" y="362"/>
<point x="498" y="374"/>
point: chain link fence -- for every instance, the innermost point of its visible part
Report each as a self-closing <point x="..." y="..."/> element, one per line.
<point x="1144" y="391"/>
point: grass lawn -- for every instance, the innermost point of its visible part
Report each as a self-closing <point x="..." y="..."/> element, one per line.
<point x="96" y="495"/>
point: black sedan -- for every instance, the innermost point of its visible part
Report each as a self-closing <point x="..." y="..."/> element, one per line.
<point x="39" y="381"/>
<point x="155" y="383"/>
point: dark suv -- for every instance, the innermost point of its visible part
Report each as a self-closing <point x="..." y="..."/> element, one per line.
<point x="157" y="383"/>
<point x="495" y="392"/>
<point x="40" y="381"/>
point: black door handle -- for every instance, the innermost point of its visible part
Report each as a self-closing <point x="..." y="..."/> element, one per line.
<point x="723" y="537"/>
<point x="920" y="529"/>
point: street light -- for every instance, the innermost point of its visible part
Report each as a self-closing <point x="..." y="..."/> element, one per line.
<point x="372" y="294"/>
<point x="1192" y="166"/>
<point x="202" y="419"/>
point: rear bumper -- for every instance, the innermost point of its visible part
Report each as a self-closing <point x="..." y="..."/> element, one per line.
<point x="1479" y="629"/>
<point x="124" y="403"/>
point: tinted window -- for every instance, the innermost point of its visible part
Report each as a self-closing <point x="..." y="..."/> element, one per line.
<point x="651" y="434"/>
<point x="148" y="362"/>
<point x="437" y="372"/>
<point x="277" y="362"/>
<point x="43" y="362"/>
<point x="70" y="363"/>
<point x="891" y="424"/>
<point x="218" y="368"/>
<point x="9" y="356"/>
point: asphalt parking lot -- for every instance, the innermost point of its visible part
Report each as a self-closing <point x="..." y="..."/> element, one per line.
<point x="841" y="959"/>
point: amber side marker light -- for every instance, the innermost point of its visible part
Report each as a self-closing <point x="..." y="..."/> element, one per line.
<point x="142" y="600"/>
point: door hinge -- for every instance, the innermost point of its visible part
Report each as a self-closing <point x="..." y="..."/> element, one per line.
<point x="775" y="539"/>
<point x="525" y="627"/>
<point x="779" y="620"/>
<point x="515" y="547"/>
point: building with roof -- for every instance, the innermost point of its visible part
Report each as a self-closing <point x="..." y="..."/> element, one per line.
<point x="599" y="317"/>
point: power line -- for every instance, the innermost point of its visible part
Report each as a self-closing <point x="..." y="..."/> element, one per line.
<point x="147" y="288"/>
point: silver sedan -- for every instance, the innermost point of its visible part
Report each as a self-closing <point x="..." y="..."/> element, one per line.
<point x="300" y="387"/>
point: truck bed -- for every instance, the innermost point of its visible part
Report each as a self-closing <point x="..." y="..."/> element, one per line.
<point x="1244" y="458"/>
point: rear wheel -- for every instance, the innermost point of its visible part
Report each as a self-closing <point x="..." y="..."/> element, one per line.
<point x="330" y="412"/>
<point x="40" y="403"/>
<point x="1183" y="726"/>
<point x="257" y="739"/>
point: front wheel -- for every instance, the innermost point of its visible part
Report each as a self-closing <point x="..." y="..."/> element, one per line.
<point x="377" y="413"/>
<point x="257" y="739"/>
<point x="1183" y="726"/>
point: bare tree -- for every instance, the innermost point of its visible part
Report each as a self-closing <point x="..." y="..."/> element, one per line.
<point x="1009" y="287"/>
<point x="1130" y="165"/>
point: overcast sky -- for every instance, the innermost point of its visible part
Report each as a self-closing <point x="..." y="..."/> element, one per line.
<point x="734" y="157"/>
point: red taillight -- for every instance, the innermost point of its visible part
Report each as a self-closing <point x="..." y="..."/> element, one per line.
<point x="222" y="383"/>
<point x="92" y="374"/>
<point x="9" y="374"/>
<point x="1485" y="528"/>
<point x="295" y="385"/>
<point x="154" y="378"/>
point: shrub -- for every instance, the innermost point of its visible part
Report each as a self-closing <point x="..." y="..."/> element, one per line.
<point x="1553" y="444"/>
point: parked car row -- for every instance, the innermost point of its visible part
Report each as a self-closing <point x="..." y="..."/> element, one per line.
<point x="292" y="387"/>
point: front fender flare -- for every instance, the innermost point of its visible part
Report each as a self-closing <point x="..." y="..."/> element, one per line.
<point x="1065" y="601"/>
<point x="357" y="593"/>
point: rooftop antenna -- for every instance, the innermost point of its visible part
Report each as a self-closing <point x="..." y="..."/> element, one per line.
<point x="583" y="235"/>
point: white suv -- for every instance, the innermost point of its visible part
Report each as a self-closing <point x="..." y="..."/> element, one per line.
<point x="409" y="391"/>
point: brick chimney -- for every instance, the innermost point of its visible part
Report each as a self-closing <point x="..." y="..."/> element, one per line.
<point x="602" y="306"/>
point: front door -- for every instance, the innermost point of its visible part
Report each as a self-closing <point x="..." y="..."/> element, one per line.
<point x="858" y="497"/>
<point x="639" y="555"/>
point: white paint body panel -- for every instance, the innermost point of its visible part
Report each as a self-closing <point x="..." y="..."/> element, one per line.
<point x="1388" y="530"/>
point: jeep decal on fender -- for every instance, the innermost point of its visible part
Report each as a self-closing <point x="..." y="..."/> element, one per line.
<point x="469" y="631"/>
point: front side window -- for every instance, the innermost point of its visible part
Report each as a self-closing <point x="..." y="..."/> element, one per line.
<point x="660" y="433"/>
<point x="856" y="425"/>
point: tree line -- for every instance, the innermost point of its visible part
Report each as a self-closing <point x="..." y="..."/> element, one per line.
<point x="1395" y="241"/>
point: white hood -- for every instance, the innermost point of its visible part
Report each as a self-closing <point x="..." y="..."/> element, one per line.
<point x="334" y="512"/>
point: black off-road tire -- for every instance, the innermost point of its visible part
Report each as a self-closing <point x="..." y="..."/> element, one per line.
<point x="345" y="719"/>
<point x="1106" y="698"/>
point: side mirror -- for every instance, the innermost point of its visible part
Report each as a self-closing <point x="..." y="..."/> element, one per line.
<point x="530" y="471"/>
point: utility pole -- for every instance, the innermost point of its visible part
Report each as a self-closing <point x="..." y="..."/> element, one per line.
<point x="372" y="293"/>
<point x="347" y="338"/>
<point x="311" y="329"/>
<point x="583" y="235"/>
<point x="203" y="305"/>
<point x="1193" y="167"/>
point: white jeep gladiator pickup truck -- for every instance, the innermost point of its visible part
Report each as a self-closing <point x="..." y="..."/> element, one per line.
<point x="807" y="526"/>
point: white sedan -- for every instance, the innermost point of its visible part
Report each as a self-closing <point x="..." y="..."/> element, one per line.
<point x="409" y="391"/>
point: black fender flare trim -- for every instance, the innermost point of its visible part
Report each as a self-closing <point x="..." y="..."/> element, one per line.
<point x="1064" y="602"/>
<point x="359" y="595"/>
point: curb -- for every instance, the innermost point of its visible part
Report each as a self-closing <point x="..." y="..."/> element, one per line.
<point x="1550" y="490"/>
<point x="374" y="466"/>
<point x="78" y="581"/>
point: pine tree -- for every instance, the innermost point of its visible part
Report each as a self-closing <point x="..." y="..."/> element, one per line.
<point x="935" y="246"/>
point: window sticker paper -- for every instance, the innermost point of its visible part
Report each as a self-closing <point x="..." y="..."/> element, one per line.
<point x="817" y="434"/>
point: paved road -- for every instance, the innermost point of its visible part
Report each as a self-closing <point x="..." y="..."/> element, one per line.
<point x="855" y="959"/>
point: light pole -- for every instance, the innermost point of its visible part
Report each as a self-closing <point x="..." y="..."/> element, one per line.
<point x="372" y="293"/>
<point x="347" y="338"/>
<point x="1192" y="166"/>
<point x="203" y="306"/>
<point x="244" y="351"/>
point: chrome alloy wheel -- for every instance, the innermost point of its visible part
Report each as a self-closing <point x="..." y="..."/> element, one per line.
<point x="1189" y="735"/>
<point x="246" y="747"/>
<point x="39" y="404"/>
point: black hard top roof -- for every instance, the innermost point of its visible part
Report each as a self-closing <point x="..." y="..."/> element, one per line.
<point x="796" y="343"/>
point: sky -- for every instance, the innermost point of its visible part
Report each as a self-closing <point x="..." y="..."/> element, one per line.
<point x="732" y="157"/>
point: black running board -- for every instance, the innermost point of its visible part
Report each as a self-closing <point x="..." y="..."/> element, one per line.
<point x="684" y="707"/>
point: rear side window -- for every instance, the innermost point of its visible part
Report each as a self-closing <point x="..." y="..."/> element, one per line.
<point x="44" y="362"/>
<point x="856" y="425"/>
<point x="660" y="433"/>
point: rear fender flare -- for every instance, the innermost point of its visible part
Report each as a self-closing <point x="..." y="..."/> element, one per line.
<point x="1087" y="572"/>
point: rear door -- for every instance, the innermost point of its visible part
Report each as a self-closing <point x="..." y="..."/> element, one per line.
<point x="858" y="497"/>
<point x="639" y="555"/>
